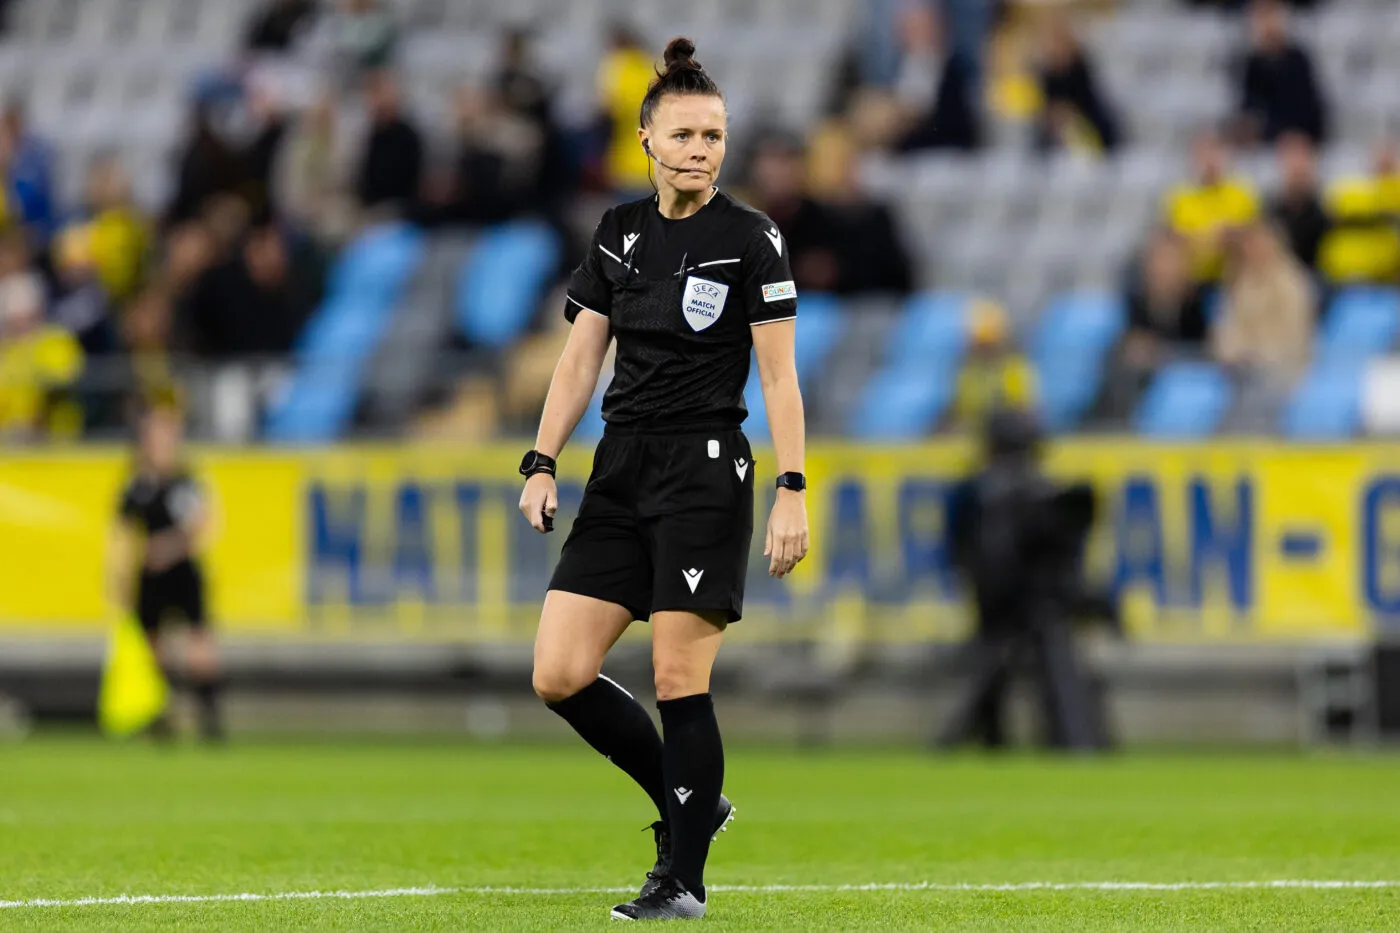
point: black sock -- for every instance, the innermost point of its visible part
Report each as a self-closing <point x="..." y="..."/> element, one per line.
<point x="206" y="693"/>
<point x="694" y="757"/>
<point x="619" y="728"/>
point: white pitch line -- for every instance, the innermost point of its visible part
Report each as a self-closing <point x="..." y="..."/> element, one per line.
<point x="936" y="887"/>
<point x="132" y="899"/>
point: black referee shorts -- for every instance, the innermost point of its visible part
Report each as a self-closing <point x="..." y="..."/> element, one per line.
<point x="665" y="524"/>
<point x="179" y="589"/>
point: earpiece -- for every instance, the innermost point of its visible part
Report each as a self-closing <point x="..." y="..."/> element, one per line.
<point x="646" y="147"/>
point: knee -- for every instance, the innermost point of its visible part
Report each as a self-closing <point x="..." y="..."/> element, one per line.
<point x="674" y="679"/>
<point x="554" y="683"/>
<point x="201" y="655"/>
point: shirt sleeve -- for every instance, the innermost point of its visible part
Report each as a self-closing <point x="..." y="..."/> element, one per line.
<point x="769" y="292"/>
<point x="186" y="499"/>
<point x="588" y="286"/>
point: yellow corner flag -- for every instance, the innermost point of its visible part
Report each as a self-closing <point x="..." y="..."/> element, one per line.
<point x="134" y="691"/>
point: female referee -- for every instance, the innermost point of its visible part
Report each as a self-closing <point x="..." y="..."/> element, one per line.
<point x="161" y="519"/>
<point x="687" y="281"/>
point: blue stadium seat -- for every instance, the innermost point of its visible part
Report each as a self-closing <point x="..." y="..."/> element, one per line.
<point x="499" y="287"/>
<point x="932" y="327"/>
<point x="909" y="395"/>
<point x="1071" y="341"/>
<point x="1186" y="400"/>
<point x="334" y="348"/>
<point x="1361" y="322"/>
<point x="903" y="403"/>
<point x="1326" y="405"/>
<point x="820" y="323"/>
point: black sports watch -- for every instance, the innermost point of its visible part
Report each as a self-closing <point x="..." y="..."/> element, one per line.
<point x="535" y="462"/>
<point x="794" y="481"/>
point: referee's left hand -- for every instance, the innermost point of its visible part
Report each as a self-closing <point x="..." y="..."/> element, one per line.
<point x="540" y="499"/>
<point x="786" y="543"/>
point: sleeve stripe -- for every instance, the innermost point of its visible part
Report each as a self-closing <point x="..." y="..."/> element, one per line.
<point x="717" y="262"/>
<point x="583" y="306"/>
<point x="610" y="253"/>
<point x="771" y="320"/>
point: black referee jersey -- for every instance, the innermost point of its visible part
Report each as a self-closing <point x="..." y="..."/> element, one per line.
<point x="680" y="296"/>
<point x="666" y="520"/>
<point x="155" y="505"/>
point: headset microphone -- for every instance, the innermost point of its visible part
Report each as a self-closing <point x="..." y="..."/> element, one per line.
<point x="646" y="147"/>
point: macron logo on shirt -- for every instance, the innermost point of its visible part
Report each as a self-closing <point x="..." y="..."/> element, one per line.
<point x="775" y="238"/>
<point x="627" y="240"/>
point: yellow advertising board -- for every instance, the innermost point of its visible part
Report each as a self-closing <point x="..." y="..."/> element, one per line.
<point x="1203" y="542"/>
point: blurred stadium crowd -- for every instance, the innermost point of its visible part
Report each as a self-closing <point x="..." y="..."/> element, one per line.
<point x="323" y="218"/>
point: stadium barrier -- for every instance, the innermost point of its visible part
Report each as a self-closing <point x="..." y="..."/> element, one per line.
<point x="1214" y="542"/>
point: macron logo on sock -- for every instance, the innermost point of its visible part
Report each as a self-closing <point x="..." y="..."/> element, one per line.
<point x="682" y="794"/>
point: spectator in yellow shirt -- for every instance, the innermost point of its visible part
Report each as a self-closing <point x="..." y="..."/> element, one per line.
<point x="118" y="234"/>
<point x="1364" y="243"/>
<point x="38" y="363"/>
<point x="624" y="75"/>
<point x="1207" y="210"/>
<point x="995" y="376"/>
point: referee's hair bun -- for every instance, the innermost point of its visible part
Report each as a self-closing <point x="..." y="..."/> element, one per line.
<point x="680" y="54"/>
<point x="681" y="74"/>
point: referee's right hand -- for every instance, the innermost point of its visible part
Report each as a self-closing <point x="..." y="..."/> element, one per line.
<point x="539" y="501"/>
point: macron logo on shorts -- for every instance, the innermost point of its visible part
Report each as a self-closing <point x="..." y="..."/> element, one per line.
<point x="692" y="577"/>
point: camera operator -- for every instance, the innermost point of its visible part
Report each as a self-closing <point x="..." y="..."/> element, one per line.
<point x="1017" y="538"/>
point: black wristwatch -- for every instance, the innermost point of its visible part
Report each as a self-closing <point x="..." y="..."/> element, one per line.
<point x="535" y="462"/>
<point x="794" y="481"/>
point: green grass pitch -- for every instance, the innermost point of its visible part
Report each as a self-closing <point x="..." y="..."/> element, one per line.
<point x="81" y="819"/>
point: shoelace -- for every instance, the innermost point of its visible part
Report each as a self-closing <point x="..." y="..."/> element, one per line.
<point x="666" y="892"/>
<point x="662" y="837"/>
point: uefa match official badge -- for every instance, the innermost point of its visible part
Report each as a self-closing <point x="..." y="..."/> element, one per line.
<point x="703" y="302"/>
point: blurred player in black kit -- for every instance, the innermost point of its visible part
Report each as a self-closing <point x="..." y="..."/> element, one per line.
<point x="162" y="518"/>
<point x="1018" y="539"/>
<point x="688" y="282"/>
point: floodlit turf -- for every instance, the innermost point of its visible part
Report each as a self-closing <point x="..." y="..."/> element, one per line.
<point x="80" y="819"/>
